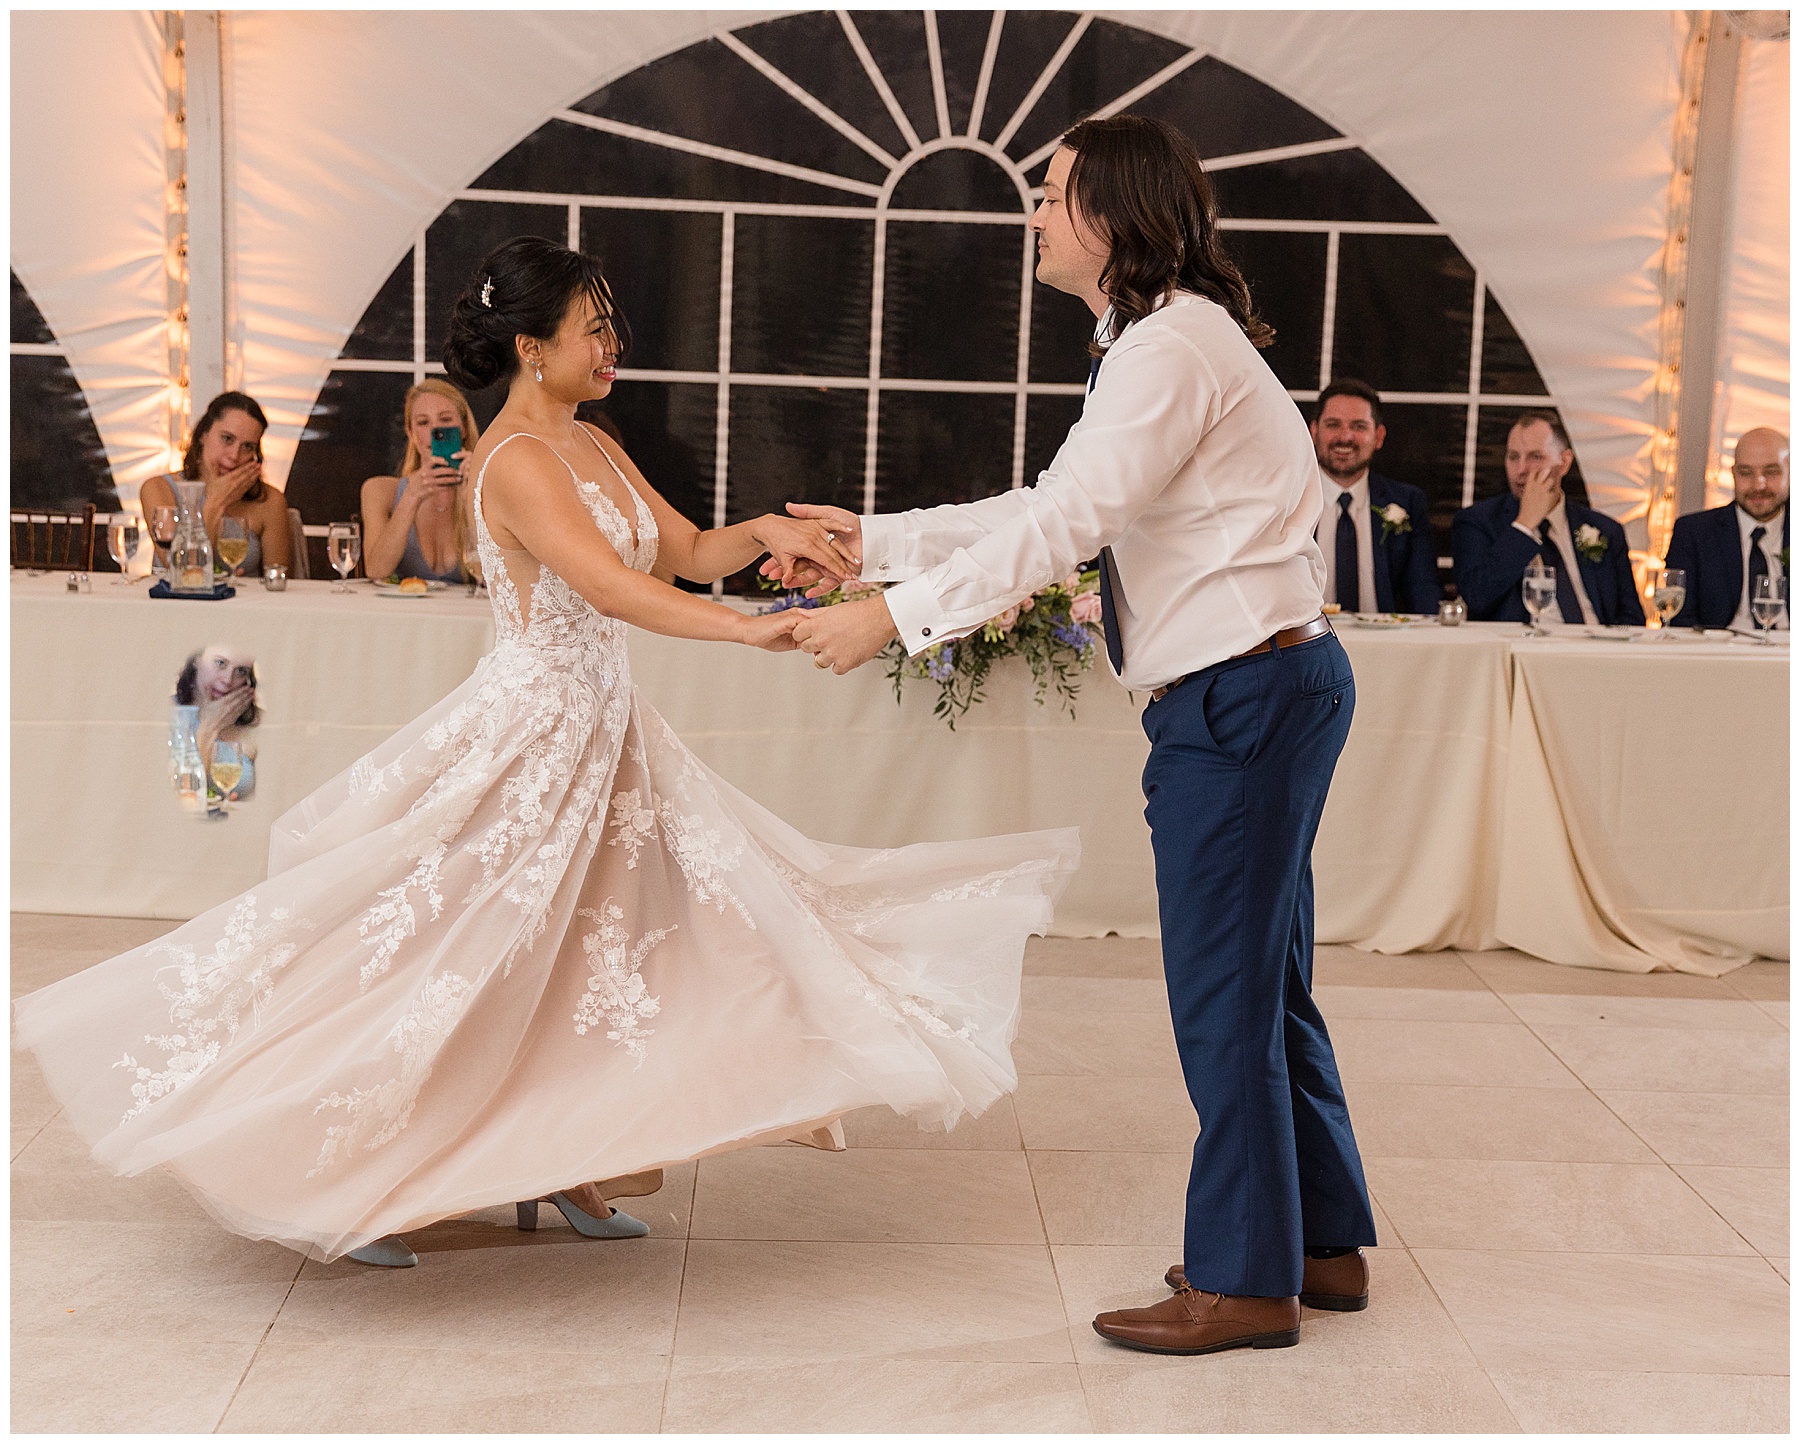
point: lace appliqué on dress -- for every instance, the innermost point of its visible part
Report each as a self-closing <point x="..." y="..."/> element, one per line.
<point x="378" y="1114"/>
<point x="210" y="995"/>
<point x="616" y="993"/>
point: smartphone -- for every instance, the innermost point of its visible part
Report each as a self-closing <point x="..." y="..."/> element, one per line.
<point x="446" y="441"/>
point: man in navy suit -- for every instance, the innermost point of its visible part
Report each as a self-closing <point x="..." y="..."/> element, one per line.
<point x="1724" y="549"/>
<point x="1375" y="532"/>
<point x="1496" y="540"/>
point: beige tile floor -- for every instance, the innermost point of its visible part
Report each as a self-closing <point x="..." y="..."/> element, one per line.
<point x="1581" y="1190"/>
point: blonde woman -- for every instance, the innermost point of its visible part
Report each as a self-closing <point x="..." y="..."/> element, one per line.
<point x="416" y="524"/>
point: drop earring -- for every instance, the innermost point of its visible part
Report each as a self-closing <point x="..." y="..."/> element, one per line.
<point x="537" y="370"/>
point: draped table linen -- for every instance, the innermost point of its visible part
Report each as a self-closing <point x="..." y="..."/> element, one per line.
<point x="1432" y="838"/>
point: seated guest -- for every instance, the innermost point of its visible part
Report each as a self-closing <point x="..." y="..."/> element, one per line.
<point x="1375" y="532"/>
<point x="416" y="524"/>
<point x="226" y="453"/>
<point x="1494" y="541"/>
<point x="1723" y="550"/>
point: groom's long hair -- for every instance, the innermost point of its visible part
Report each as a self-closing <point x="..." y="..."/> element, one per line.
<point x="1138" y="182"/>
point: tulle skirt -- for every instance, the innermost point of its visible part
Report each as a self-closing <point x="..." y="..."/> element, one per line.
<point x="527" y="942"/>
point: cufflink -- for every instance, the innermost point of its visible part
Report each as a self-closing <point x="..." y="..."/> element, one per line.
<point x="924" y="631"/>
<point x="881" y="566"/>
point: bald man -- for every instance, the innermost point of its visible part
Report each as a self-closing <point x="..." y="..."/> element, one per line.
<point x="1723" y="549"/>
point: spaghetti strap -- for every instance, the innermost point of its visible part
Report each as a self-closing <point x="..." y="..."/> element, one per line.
<point x="514" y="437"/>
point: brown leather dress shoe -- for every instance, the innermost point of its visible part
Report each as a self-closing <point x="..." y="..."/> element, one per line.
<point x="1340" y="1284"/>
<point x="1191" y="1323"/>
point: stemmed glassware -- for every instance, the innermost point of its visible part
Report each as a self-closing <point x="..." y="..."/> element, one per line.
<point x="1668" y="595"/>
<point x="471" y="560"/>
<point x="1768" y="599"/>
<point x="1539" y="588"/>
<point x="343" y="540"/>
<point x="123" y="536"/>
<point x="234" y="542"/>
<point x="162" y="532"/>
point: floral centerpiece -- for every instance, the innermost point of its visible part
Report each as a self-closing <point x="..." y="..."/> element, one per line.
<point x="1056" y="631"/>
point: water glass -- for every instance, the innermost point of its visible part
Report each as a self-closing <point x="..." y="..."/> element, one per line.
<point x="343" y="540"/>
<point x="1768" y="600"/>
<point x="1669" y="594"/>
<point x="123" y="536"/>
<point x="1539" y="590"/>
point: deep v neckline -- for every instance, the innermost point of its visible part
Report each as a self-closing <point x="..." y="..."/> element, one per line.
<point x="631" y="523"/>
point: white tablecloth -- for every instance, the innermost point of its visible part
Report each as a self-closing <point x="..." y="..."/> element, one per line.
<point x="1646" y="816"/>
<point x="1414" y="852"/>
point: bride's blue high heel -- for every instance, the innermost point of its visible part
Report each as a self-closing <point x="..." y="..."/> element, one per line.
<point x="385" y="1253"/>
<point x="620" y="1225"/>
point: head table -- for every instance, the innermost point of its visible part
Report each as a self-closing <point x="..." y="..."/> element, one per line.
<point x="1591" y="801"/>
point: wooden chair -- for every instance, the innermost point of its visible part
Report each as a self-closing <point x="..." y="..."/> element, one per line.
<point x="54" y="540"/>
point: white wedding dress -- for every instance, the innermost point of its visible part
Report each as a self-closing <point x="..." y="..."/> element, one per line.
<point x="531" y="941"/>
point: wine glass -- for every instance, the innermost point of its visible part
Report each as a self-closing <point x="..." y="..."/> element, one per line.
<point x="227" y="769"/>
<point x="1768" y="600"/>
<point x="123" y="536"/>
<point x="343" y="540"/>
<point x="1669" y="594"/>
<point x="1540" y="593"/>
<point x="471" y="561"/>
<point x="162" y="532"/>
<point x="234" y="542"/>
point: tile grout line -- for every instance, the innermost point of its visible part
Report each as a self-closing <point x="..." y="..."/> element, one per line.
<point x="261" y="1340"/>
<point x="687" y="1243"/>
<point x="1654" y="1150"/>
<point x="34" y="1137"/>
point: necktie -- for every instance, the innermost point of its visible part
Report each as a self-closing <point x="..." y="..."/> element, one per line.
<point x="1566" y="601"/>
<point x="1349" y="593"/>
<point x="1109" y="607"/>
<point x="1759" y="565"/>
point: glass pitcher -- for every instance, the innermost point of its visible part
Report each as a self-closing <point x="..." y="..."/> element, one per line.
<point x="191" y="553"/>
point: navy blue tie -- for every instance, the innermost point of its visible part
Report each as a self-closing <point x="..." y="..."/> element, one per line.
<point x="1349" y="589"/>
<point x="1566" y="601"/>
<point x="1759" y="563"/>
<point x="1109" y="607"/>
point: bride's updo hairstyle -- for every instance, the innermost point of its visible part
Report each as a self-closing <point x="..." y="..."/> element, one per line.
<point x="522" y="288"/>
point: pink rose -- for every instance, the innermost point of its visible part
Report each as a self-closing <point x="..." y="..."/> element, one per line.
<point x="1085" y="608"/>
<point x="1007" y="619"/>
<point x="1072" y="582"/>
<point x="1027" y="604"/>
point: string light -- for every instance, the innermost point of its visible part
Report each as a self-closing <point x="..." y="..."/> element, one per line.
<point x="178" y="393"/>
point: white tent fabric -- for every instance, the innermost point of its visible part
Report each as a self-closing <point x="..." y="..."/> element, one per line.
<point x="1541" y="139"/>
<point x="1754" y="376"/>
<point x="89" y="234"/>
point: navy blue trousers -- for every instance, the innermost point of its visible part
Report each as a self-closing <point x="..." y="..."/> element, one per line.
<point x="1241" y="757"/>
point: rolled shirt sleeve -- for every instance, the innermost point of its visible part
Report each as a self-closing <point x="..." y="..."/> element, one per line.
<point x="958" y="567"/>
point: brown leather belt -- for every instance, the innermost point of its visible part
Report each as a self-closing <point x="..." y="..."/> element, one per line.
<point x="1291" y="637"/>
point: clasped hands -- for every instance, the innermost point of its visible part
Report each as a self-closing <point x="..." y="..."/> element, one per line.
<point x="817" y="551"/>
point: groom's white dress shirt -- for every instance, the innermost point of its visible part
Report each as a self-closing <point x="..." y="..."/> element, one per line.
<point x="1190" y="460"/>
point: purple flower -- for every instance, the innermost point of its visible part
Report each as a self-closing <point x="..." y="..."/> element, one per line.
<point x="1077" y="638"/>
<point x="941" y="667"/>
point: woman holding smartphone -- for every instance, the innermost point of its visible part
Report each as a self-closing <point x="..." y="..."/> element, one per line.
<point x="416" y="524"/>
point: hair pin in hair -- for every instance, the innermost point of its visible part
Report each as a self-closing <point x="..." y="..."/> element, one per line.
<point x="487" y="293"/>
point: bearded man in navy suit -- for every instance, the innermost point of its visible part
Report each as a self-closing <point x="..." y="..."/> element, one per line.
<point x="1496" y="540"/>
<point x="1375" y="532"/>
<point x="1724" y="549"/>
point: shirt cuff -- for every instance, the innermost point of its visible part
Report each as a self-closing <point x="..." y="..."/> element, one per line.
<point x="1524" y="530"/>
<point x="917" y="615"/>
<point x="883" y="547"/>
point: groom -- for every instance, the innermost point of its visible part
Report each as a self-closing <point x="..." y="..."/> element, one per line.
<point x="1192" y="476"/>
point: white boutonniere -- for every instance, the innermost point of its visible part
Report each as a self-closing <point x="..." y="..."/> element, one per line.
<point x="1589" y="542"/>
<point x="1393" y="519"/>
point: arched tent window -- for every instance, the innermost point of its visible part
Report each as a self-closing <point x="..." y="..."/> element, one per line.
<point x="58" y="461"/>
<point x="817" y="227"/>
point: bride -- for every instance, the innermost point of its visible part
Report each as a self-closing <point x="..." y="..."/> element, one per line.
<point x="530" y="941"/>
